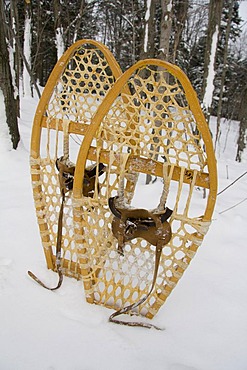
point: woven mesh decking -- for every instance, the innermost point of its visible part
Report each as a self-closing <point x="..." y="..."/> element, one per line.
<point x="75" y="89"/>
<point x="151" y="123"/>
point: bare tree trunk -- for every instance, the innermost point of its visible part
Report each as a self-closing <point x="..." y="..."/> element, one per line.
<point x="78" y="21"/>
<point x="134" y="34"/>
<point x="16" y="62"/>
<point x="6" y="82"/>
<point x="149" y="30"/>
<point x="58" y="28"/>
<point x="223" y="76"/>
<point x="165" y="29"/>
<point x="148" y="41"/>
<point x="180" y="15"/>
<point x="118" y="32"/>
<point x="37" y="60"/>
<point x="242" y="126"/>
<point x="26" y="77"/>
<point x="215" y="11"/>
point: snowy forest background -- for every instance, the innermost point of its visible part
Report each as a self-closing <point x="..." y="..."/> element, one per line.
<point x="206" y="39"/>
<point x="205" y="319"/>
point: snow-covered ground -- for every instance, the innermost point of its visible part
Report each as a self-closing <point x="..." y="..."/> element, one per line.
<point x="205" y="316"/>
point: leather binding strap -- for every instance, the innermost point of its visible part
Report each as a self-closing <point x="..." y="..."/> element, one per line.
<point x="130" y="223"/>
<point x="142" y="300"/>
<point x="66" y="171"/>
<point x="64" y="187"/>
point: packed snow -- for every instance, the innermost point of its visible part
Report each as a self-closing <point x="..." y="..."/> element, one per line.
<point x="204" y="318"/>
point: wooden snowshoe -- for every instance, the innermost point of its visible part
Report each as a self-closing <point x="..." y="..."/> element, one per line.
<point x="151" y="123"/>
<point x="76" y="87"/>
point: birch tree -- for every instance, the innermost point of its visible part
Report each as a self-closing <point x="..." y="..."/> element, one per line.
<point x="59" y="41"/>
<point x="224" y="68"/>
<point x="27" y="50"/>
<point x="14" y="54"/>
<point x="214" y="19"/>
<point x="165" y="29"/>
<point x="149" y="30"/>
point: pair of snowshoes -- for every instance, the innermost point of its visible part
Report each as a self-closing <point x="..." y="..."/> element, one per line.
<point x="146" y="121"/>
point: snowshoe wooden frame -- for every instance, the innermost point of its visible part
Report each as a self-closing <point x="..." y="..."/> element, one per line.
<point x="150" y="122"/>
<point x="147" y="120"/>
<point x="76" y="87"/>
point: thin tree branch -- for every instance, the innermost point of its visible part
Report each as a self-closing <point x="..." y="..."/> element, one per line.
<point x="235" y="205"/>
<point x="232" y="183"/>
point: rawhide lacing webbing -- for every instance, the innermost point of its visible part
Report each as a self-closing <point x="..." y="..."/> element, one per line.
<point x="66" y="171"/>
<point x="130" y="223"/>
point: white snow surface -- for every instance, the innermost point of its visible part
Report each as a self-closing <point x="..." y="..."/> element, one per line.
<point x="204" y="318"/>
